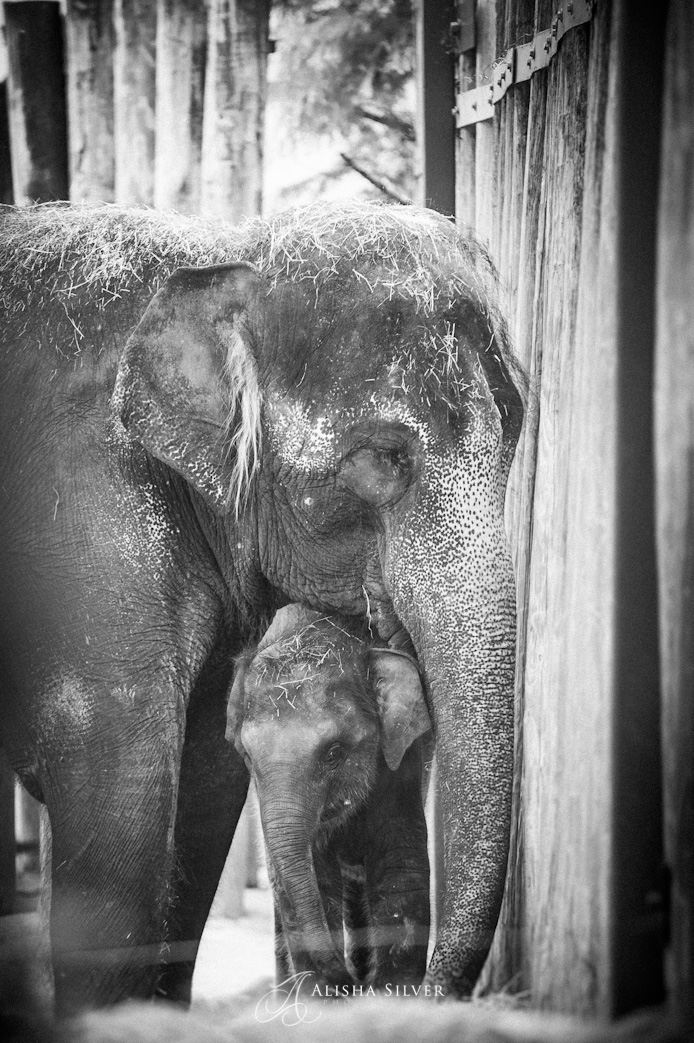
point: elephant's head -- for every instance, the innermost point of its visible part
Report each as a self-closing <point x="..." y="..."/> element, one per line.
<point x="342" y="400"/>
<point x="310" y="710"/>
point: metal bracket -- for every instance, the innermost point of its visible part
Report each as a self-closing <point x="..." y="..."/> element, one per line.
<point x="519" y="63"/>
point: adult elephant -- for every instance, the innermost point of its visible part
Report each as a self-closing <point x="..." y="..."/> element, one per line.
<point x="200" y="424"/>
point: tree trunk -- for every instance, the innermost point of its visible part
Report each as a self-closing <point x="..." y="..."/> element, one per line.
<point x="235" y="90"/>
<point x="89" y="38"/>
<point x="36" y="97"/>
<point x="180" y="81"/>
<point x="133" y="80"/>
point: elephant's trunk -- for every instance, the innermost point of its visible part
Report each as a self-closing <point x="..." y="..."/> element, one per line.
<point x="455" y="594"/>
<point x="475" y="742"/>
<point x="288" y="829"/>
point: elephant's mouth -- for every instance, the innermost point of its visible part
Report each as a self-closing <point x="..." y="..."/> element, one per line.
<point x="382" y="617"/>
<point x="386" y="623"/>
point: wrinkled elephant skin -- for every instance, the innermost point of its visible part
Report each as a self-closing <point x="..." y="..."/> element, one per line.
<point x="199" y="425"/>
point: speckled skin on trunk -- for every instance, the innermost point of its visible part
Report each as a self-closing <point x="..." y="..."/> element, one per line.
<point x="320" y="409"/>
<point x="328" y="721"/>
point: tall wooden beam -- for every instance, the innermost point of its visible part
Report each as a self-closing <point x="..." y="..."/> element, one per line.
<point x="134" y="93"/>
<point x="235" y="91"/>
<point x="435" y="102"/>
<point x="36" y="101"/>
<point x="180" y="82"/>
<point x="7" y="841"/>
<point x="636" y="898"/>
<point x="674" y="405"/>
<point x="89" y="39"/>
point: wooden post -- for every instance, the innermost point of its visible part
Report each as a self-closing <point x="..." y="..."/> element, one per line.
<point x="466" y="79"/>
<point x="235" y="90"/>
<point x="485" y="181"/>
<point x="181" y="41"/>
<point x="89" y="39"/>
<point x="7" y="842"/>
<point x="637" y="898"/>
<point x="134" y="93"/>
<point x="435" y="102"/>
<point x="6" y="194"/>
<point x="36" y="101"/>
<point x="674" y="442"/>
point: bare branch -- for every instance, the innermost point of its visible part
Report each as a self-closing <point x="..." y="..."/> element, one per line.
<point x="388" y="119"/>
<point x="378" y="182"/>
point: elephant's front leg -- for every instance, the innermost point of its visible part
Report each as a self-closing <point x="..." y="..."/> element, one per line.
<point x="212" y="792"/>
<point x="397" y="875"/>
<point x="110" y="782"/>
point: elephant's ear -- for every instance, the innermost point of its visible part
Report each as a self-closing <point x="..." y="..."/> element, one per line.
<point x="187" y="386"/>
<point x="401" y="705"/>
<point x="236" y="703"/>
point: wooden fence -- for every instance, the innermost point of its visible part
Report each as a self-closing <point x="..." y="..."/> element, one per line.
<point x="164" y="99"/>
<point x="562" y="182"/>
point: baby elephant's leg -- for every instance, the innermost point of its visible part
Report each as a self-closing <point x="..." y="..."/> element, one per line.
<point x="397" y="874"/>
<point x="358" y="941"/>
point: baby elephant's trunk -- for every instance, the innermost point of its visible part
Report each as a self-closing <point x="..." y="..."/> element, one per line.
<point x="312" y="946"/>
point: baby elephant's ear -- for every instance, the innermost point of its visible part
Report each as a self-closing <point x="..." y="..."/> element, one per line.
<point x="401" y="706"/>
<point x="236" y="705"/>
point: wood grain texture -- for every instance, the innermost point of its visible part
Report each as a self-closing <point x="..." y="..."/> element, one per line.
<point x="89" y="68"/>
<point x="543" y="182"/>
<point x="36" y="102"/>
<point x="134" y="99"/>
<point x="235" y="89"/>
<point x="674" y="424"/>
<point x="180" y="82"/>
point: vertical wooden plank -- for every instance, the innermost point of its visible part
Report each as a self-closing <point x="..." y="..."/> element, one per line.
<point x="133" y="79"/>
<point x="7" y="842"/>
<point x="6" y="195"/>
<point x="89" y="46"/>
<point x="564" y="725"/>
<point x="181" y="43"/>
<point x="485" y="186"/>
<point x="636" y="896"/>
<point x="435" y="103"/>
<point x="465" y="148"/>
<point x="36" y="101"/>
<point x="505" y="964"/>
<point x="235" y="89"/>
<point x="674" y="428"/>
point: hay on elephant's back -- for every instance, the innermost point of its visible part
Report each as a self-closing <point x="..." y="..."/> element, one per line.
<point x="79" y="258"/>
<point x="410" y="252"/>
<point x="75" y="256"/>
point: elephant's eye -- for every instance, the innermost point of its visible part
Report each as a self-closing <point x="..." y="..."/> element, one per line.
<point x="379" y="473"/>
<point x="334" y="755"/>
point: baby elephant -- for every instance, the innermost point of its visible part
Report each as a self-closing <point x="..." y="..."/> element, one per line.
<point x="327" y="723"/>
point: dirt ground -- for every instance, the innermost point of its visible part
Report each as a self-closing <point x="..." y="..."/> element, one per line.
<point x="236" y="957"/>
